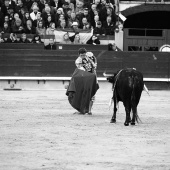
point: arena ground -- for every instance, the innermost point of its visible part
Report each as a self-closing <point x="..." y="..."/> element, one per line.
<point x="40" y="132"/>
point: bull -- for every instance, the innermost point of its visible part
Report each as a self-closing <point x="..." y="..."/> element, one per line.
<point x="127" y="87"/>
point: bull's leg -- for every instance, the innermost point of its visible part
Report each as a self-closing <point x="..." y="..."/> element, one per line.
<point x="113" y="119"/>
<point x="134" y="110"/>
<point x="127" y="109"/>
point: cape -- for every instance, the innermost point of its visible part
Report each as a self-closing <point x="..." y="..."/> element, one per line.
<point x="82" y="87"/>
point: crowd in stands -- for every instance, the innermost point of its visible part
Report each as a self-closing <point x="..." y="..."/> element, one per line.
<point x="43" y="17"/>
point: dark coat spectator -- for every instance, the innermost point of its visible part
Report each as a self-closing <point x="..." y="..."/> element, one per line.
<point x="51" y="45"/>
<point x="2" y="40"/>
<point x="99" y="30"/>
<point x="109" y="26"/>
<point x="30" y="29"/>
<point x="94" y="40"/>
<point x="17" y="27"/>
<point x="36" y="39"/>
<point x="24" y="39"/>
<point x="8" y="4"/>
<point x="113" y="47"/>
<point x="6" y="28"/>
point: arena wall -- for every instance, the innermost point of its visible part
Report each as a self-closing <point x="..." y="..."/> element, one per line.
<point x="41" y="66"/>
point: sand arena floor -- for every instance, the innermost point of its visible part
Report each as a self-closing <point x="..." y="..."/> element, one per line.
<point x="38" y="130"/>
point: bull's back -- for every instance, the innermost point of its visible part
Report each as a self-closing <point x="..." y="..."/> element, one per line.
<point x="130" y="82"/>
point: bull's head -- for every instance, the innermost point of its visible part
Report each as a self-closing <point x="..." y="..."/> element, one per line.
<point x="109" y="77"/>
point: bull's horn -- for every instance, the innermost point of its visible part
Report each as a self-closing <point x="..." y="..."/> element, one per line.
<point x="146" y="89"/>
<point x="107" y="75"/>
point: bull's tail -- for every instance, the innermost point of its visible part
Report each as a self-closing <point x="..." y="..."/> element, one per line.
<point x="133" y="102"/>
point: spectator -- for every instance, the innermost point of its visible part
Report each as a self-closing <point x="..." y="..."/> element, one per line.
<point x="85" y="14"/>
<point x="68" y="5"/>
<point x="66" y="39"/>
<point x="18" y="27"/>
<point x="77" y="39"/>
<point x="33" y="14"/>
<point x="85" y="24"/>
<point x="95" y="21"/>
<point x="30" y="29"/>
<point x="1" y="38"/>
<point x="14" y="18"/>
<point x="113" y="47"/>
<point x="12" y="38"/>
<point x="8" y="4"/>
<point x="46" y="12"/>
<point x="6" y="19"/>
<point x="6" y="28"/>
<point x="57" y="15"/>
<point x="72" y="19"/>
<point x="48" y="21"/>
<point x="99" y="30"/>
<point x="109" y="26"/>
<point x="98" y="5"/>
<point x="63" y="24"/>
<point x="51" y="45"/>
<point x="75" y="27"/>
<point x="40" y="29"/>
<point x="41" y="5"/>
<point x="36" y="39"/>
<point x="61" y="18"/>
<point x="39" y="18"/>
<point x="79" y="7"/>
<point x="94" y="40"/>
<point x="20" y="6"/>
<point x="24" y="39"/>
<point x="51" y="29"/>
<point x="56" y="3"/>
<point x="28" y="4"/>
<point x="25" y="18"/>
<point x="1" y="18"/>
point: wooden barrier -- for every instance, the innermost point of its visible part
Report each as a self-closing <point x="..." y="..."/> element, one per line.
<point x="61" y="63"/>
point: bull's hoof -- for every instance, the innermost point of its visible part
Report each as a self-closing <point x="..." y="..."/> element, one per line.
<point x="126" y="124"/>
<point x="132" y="123"/>
<point x="113" y="121"/>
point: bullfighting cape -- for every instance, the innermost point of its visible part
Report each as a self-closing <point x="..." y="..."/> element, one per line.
<point x="82" y="87"/>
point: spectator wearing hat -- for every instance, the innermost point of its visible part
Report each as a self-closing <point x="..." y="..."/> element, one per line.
<point x="51" y="45"/>
<point x="24" y="39"/>
<point x="75" y="27"/>
<point x="99" y="30"/>
<point x="94" y="40"/>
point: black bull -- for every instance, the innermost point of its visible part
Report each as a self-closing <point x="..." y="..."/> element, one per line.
<point x="127" y="87"/>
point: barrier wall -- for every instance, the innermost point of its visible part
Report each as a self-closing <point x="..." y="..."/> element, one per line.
<point x="37" y="62"/>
